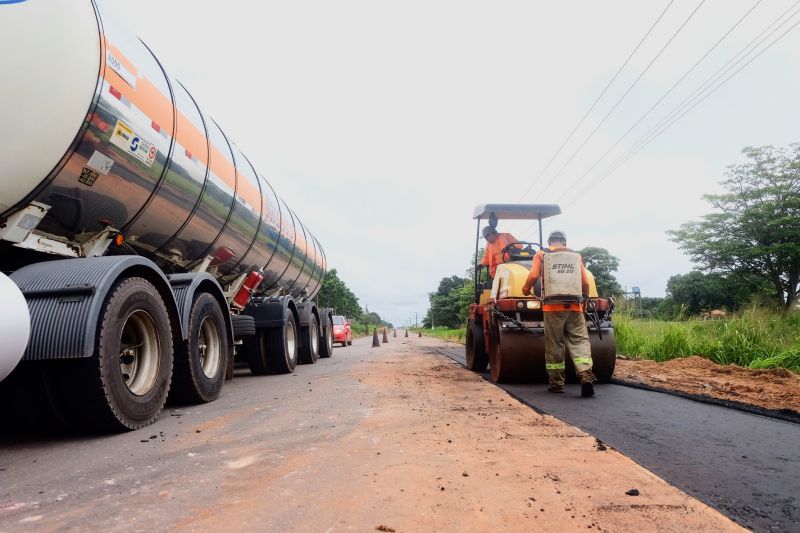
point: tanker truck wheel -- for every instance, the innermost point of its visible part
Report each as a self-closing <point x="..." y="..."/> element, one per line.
<point x="200" y="372"/>
<point x="124" y="385"/>
<point x="281" y="346"/>
<point x="255" y="350"/>
<point x="477" y="358"/>
<point x="309" y="348"/>
<point x="326" y="341"/>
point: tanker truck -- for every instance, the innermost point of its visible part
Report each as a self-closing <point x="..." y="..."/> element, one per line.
<point x="140" y="250"/>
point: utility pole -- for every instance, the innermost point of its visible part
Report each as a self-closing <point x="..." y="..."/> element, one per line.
<point x="415" y="319"/>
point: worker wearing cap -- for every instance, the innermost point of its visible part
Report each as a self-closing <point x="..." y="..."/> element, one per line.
<point x="564" y="323"/>
<point x="495" y="243"/>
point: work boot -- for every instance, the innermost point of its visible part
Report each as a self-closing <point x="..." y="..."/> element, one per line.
<point x="587" y="380"/>
<point x="555" y="387"/>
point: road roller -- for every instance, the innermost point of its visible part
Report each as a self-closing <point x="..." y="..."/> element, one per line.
<point x="505" y="329"/>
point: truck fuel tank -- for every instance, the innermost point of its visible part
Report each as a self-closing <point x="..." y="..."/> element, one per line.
<point x="15" y="325"/>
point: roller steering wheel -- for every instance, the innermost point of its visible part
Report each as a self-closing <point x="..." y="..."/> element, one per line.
<point x="527" y="247"/>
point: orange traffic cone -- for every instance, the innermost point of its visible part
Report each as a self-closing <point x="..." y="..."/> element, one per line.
<point x="375" y="342"/>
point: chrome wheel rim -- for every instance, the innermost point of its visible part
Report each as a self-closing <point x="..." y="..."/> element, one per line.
<point x="329" y="339"/>
<point x="314" y="338"/>
<point x="139" y="352"/>
<point x="291" y="340"/>
<point x="209" y="346"/>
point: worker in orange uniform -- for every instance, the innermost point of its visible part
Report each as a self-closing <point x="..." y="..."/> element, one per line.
<point x="495" y="242"/>
<point x="564" y="286"/>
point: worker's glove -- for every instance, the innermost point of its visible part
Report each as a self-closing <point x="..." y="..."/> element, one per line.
<point x="526" y="290"/>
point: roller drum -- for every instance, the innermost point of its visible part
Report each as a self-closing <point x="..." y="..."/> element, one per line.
<point x="516" y="356"/>
<point x="519" y="357"/>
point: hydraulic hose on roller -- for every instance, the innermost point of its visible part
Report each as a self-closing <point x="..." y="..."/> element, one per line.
<point x="15" y="325"/>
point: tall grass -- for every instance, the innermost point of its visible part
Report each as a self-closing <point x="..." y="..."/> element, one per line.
<point x="452" y="335"/>
<point x="754" y="338"/>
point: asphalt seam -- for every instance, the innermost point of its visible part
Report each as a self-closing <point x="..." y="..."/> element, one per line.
<point x="784" y="415"/>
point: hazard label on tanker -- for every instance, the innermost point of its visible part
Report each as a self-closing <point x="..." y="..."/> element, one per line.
<point x="125" y="138"/>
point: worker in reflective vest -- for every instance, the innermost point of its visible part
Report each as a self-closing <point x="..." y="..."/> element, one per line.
<point x="495" y="242"/>
<point x="564" y="284"/>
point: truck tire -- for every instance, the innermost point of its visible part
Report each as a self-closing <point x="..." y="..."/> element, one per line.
<point x="124" y="385"/>
<point x="281" y="346"/>
<point x="200" y="372"/>
<point x="309" y="348"/>
<point x="255" y="351"/>
<point x="326" y="340"/>
<point x="243" y="327"/>
<point x="477" y="358"/>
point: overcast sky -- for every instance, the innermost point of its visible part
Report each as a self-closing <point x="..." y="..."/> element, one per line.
<point x="382" y="124"/>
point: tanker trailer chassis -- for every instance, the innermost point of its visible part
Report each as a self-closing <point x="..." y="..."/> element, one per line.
<point x="505" y="329"/>
<point x="112" y="337"/>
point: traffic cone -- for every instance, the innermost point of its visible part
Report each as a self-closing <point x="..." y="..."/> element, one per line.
<point x="406" y="334"/>
<point x="375" y="342"/>
<point x="385" y="337"/>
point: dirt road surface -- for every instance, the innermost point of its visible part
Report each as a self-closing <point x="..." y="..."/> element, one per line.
<point x="775" y="389"/>
<point x="396" y="438"/>
<point x="745" y="465"/>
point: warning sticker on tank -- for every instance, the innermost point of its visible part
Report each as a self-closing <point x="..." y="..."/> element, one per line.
<point x="100" y="162"/>
<point x="88" y="176"/>
<point x="125" y="138"/>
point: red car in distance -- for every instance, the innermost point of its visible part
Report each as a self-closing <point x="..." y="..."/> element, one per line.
<point x="341" y="330"/>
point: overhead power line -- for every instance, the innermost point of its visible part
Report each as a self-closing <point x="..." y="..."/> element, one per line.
<point x="596" y="101"/>
<point x="648" y="138"/>
<point x="658" y="102"/>
<point x="625" y="94"/>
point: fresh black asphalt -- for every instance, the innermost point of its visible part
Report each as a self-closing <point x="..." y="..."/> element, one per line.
<point x="744" y="465"/>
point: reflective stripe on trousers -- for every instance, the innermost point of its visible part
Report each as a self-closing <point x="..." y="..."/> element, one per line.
<point x="565" y="330"/>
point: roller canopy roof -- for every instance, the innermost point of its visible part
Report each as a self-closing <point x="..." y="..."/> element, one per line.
<point x="517" y="211"/>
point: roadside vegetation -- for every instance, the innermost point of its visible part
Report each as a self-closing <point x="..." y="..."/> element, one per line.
<point x="754" y="338"/>
<point x="446" y="334"/>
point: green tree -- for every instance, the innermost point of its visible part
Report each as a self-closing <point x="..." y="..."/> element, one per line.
<point x="372" y="318"/>
<point x="336" y="295"/>
<point x="601" y="263"/>
<point x="756" y="227"/>
<point x="697" y="291"/>
<point x="450" y="303"/>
